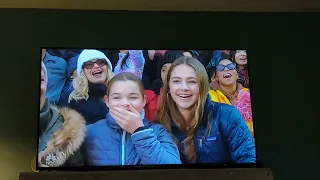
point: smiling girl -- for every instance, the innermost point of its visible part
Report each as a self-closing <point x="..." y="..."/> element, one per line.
<point x="206" y="132"/>
<point x="125" y="137"/>
<point x="94" y="71"/>
<point x="225" y="89"/>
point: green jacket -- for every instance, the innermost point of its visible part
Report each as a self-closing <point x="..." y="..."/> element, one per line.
<point x="61" y="134"/>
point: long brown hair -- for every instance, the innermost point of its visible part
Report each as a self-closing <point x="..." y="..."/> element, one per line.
<point x="168" y="109"/>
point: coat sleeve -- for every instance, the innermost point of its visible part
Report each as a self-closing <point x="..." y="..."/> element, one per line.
<point x="156" y="146"/>
<point x="76" y="160"/>
<point x="240" y="141"/>
<point x="136" y="58"/>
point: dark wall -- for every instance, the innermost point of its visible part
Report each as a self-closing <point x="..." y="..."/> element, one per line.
<point x="283" y="53"/>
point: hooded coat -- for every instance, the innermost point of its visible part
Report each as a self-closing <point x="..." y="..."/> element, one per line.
<point x="61" y="134"/>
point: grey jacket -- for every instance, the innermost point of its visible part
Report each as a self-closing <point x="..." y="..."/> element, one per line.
<point x="61" y="134"/>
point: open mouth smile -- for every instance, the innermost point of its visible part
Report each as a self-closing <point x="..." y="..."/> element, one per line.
<point x="227" y="75"/>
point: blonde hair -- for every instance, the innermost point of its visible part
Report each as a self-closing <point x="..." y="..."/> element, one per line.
<point x="168" y="108"/>
<point x="81" y="86"/>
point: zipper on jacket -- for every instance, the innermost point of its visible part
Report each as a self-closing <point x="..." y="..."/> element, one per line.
<point x="200" y="143"/>
<point x="123" y="143"/>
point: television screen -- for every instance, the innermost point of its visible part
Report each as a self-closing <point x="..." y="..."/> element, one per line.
<point x="121" y="108"/>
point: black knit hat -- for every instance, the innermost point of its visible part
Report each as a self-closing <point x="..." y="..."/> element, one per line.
<point x="168" y="57"/>
<point x="171" y="55"/>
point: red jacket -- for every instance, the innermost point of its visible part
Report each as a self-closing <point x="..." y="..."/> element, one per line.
<point x="151" y="107"/>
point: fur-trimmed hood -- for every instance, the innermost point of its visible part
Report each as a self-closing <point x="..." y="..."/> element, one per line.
<point x="66" y="139"/>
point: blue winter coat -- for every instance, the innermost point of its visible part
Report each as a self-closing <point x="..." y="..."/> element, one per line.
<point x="57" y="69"/>
<point x="229" y="140"/>
<point x="107" y="144"/>
<point x="68" y="87"/>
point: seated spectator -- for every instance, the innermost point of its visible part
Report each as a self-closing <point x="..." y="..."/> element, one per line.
<point x="125" y="137"/>
<point x="94" y="71"/>
<point x="152" y="97"/>
<point x="240" y="58"/>
<point x="61" y="132"/>
<point x="225" y="89"/>
<point x="57" y="69"/>
<point x="71" y="75"/>
<point x="65" y="54"/>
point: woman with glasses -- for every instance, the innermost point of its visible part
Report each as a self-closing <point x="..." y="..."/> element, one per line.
<point x="94" y="71"/>
<point x="205" y="131"/>
<point x="240" y="58"/>
<point x="225" y="89"/>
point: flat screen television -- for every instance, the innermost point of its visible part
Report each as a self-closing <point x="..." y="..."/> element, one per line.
<point x="119" y="109"/>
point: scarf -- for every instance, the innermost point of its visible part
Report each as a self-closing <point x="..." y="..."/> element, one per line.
<point x="97" y="90"/>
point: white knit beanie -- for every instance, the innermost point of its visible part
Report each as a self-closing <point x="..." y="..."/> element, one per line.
<point x="90" y="54"/>
<point x="43" y="67"/>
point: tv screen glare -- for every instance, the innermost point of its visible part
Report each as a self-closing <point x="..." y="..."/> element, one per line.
<point x="113" y="108"/>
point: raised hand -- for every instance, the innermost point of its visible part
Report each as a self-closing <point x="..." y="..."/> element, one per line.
<point x="128" y="120"/>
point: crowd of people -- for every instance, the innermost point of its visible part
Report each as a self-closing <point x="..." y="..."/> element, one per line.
<point x="144" y="107"/>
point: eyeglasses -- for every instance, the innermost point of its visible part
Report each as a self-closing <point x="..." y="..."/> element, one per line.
<point x="230" y="66"/>
<point x="90" y="64"/>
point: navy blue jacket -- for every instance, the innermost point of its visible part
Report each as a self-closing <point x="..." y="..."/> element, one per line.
<point x="94" y="108"/>
<point x="229" y="140"/>
<point x="107" y="144"/>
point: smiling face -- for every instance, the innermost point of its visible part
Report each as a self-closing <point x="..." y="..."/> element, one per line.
<point x="96" y="71"/>
<point x="124" y="93"/>
<point x="183" y="85"/>
<point x="226" y="73"/>
<point x="241" y="57"/>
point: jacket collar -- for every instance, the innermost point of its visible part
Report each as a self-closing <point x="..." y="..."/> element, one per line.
<point x="215" y="86"/>
<point x="209" y="105"/>
<point x="47" y="117"/>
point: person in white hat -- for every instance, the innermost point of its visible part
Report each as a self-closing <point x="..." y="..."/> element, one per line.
<point x="61" y="132"/>
<point x="94" y="71"/>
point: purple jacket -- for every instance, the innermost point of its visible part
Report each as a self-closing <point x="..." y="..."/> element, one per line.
<point x="134" y="63"/>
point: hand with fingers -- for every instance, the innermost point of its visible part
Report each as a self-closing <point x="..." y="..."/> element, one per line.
<point x="129" y="120"/>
